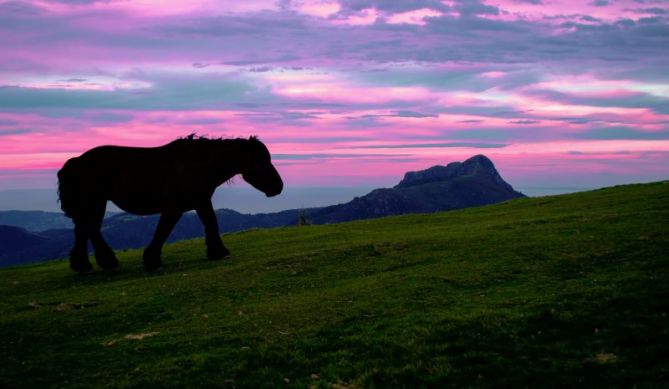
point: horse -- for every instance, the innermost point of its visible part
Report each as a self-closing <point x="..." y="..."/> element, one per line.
<point x="177" y="177"/>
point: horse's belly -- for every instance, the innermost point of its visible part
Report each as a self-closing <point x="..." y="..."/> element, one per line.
<point x="139" y="198"/>
<point x="145" y="188"/>
<point x="149" y="199"/>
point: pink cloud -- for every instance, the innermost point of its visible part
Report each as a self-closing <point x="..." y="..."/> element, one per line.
<point x="413" y="17"/>
<point x="555" y="8"/>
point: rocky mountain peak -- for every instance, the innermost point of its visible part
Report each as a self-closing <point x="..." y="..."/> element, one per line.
<point x="478" y="165"/>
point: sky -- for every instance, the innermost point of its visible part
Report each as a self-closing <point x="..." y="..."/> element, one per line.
<point x="345" y="93"/>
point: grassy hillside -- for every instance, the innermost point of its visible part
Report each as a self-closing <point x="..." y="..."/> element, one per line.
<point x="567" y="290"/>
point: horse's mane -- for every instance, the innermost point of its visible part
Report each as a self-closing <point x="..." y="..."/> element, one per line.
<point x="194" y="137"/>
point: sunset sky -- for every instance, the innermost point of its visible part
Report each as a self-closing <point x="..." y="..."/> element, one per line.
<point x="348" y="92"/>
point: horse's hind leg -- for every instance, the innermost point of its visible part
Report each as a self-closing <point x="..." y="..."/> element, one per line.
<point x="79" y="253"/>
<point x="215" y="248"/>
<point x="151" y="257"/>
<point x="104" y="255"/>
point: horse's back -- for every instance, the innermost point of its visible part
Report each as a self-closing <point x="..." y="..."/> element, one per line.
<point x="132" y="177"/>
<point x="146" y="180"/>
<point x="119" y="155"/>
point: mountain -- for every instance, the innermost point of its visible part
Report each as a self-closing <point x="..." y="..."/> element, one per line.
<point x="471" y="183"/>
<point x="567" y="291"/>
<point x="474" y="182"/>
<point x="16" y="238"/>
<point x="22" y="246"/>
<point x="35" y="220"/>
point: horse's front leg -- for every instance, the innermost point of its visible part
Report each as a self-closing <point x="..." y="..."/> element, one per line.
<point x="168" y="220"/>
<point x="215" y="248"/>
<point x="104" y="255"/>
<point x="79" y="253"/>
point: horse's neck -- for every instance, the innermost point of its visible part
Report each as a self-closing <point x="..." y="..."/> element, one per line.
<point x="218" y="161"/>
<point x="229" y="159"/>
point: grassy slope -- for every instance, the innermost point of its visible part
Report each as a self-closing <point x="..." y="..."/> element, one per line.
<point x="567" y="290"/>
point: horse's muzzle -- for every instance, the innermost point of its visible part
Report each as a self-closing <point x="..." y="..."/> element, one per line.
<point x="273" y="193"/>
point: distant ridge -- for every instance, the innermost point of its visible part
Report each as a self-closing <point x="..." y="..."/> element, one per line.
<point x="474" y="182"/>
<point x="35" y="221"/>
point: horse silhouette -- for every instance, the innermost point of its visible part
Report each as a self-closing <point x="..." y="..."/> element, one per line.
<point x="171" y="179"/>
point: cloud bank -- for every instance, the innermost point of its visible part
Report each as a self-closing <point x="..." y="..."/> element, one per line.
<point x="344" y="91"/>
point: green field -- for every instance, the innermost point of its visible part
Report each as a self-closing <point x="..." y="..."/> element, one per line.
<point x="569" y="290"/>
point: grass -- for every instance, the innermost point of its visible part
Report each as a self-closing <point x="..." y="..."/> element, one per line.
<point x="569" y="290"/>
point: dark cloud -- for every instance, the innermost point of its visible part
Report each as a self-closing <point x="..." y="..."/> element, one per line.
<point x="10" y="9"/>
<point x="601" y="3"/>
<point x="333" y="139"/>
<point x="255" y="59"/>
<point x="15" y="131"/>
<point x="80" y="2"/>
<point x="275" y="41"/>
<point x="524" y="122"/>
<point x="198" y="121"/>
<point x="437" y="145"/>
<point x="8" y="122"/>
<point x="277" y="116"/>
<point x="475" y="7"/>
<point x="573" y="120"/>
<point x="166" y="92"/>
<point x="390" y="6"/>
<point x="651" y="20"/>
<point x="617" y="59"/>
<point x="109" y="117"/>
<point x="261" y="69"/>
<point x="628" y="100"/>
<point x="73" y="80"/>
<point x="287" y="39"/>
<point x="413" y="114"/>
<point x="493" y="111"/>
<point x="653" y="10"/>
<point x="464" y="7"/>
<point x="499" y="135"/>
<point x="588" y="18"/>
<point x="309" y="156"/>
<point x="236" y="25"/>
<point x="622" y="133"/>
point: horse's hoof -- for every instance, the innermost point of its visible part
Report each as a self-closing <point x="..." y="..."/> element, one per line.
<point x="109" y="266"/>
<point x="217" y="255"/>
<point x="151" y="259"/>
<point x="151" y="266"/>
<point x="82" y="268"/>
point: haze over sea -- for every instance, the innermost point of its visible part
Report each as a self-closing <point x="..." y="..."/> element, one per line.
<point x="239" y="198"/>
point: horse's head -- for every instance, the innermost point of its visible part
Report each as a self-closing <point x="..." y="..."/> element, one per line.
<point x="259" y="170"/>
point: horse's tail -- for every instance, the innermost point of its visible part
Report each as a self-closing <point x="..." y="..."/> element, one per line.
<point x="67" y="187"/>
